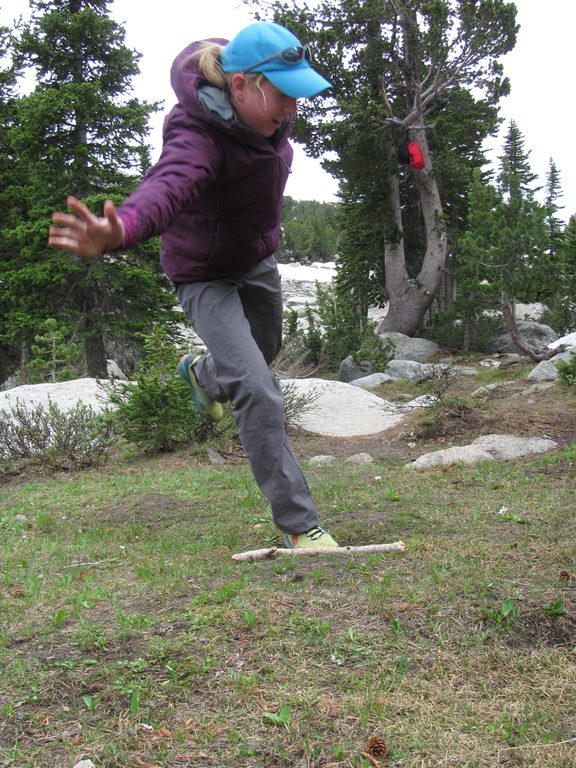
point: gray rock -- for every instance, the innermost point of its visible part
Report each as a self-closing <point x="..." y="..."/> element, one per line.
<point x="539" y="386"/>
<point x="350" y="371"/>
<point x="409" y="369"/>
<point x="544" y="371"/>
<point x="463" y="370"/>
<point x="85" y="764"/>
<point x="341" y="410"/>
<point x="114" y="371"/>
<point x="323" y="459"/>
<point x="505" y="447"/>
<point x="482" y="391"/>
<point x="372" y="381"/>
<point x="407" y="348"/>
<point x="535" y="334"/>
<point x="485" y="448"/>
<point x="466" y="454"/>
<point x="215" y="456"/>
<point x="566" y="355"/>
<point x="360" y="458"/>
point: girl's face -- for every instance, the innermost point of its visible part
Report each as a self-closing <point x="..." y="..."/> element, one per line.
<point x="259" y="104"/>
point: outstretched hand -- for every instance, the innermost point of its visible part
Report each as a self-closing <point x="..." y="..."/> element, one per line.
<point x="83" y="232"/>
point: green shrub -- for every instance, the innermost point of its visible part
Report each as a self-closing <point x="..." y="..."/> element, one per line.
<point x="155" y="411"/>
<point x="567" y="370"/>
<point x="333" y="331"/>
<point x="448" y="330"/>
<point x="373" y="350"/>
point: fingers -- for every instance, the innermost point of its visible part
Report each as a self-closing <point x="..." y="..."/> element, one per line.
<point x="66" y="220"/>
<point x="60" y="238"/>
<point x="83" y="232"/>
<point x="80" y="209"/>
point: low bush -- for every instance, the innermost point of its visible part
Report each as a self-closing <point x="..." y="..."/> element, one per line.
<point x="567" y="370"/>
<point x="79" y="436"/>
<point x="155" y="410"/>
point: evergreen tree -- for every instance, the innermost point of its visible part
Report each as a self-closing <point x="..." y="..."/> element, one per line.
<point x="52" y="356"/>
<point x="78" y="133"/>
<point x="478" y="295"/>
<point x="567" y="275"/>
<point x="503" y="256"/>
<point x="516" y="178"/>
<point x="562" y="302"/>
<point x="554" y="225"/>
<point x="505" y="252"/>
<point x="9" y="197"/>
<point x="522" y="258"/>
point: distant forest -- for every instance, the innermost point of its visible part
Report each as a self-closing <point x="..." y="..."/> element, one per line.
<point x="309" y="231"/>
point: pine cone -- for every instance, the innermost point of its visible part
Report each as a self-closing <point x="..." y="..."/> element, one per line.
<point x="377" y="747"/>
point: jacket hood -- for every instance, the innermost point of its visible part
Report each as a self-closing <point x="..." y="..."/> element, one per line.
<point x="186" y="78"/>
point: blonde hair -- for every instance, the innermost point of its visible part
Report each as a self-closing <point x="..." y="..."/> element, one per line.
<point x="209" y="63"/>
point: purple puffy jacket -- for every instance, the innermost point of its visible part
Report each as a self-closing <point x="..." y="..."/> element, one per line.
<point x="215" y="194"/>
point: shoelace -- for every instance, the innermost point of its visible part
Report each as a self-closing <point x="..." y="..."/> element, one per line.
<point x="315" y="533"/>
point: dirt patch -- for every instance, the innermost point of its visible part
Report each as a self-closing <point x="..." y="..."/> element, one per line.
<point x="147" y="509"/>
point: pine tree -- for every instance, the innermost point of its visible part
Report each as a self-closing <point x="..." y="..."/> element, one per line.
<point x="520" y="259"/>
<point x="308" y="231"/>
<point x="554" y="225"/>
<point x="516" y="178"/>
<point x="478" y="294"/>
<point x="567" y="275"/>
<point x="79" y="132"/>
<point x="503" y="254"/>
<point x="52" y="355"/>
<point x="9" y="184"/>
<point x="562" y="302"/>
<point x="523" y="240"/>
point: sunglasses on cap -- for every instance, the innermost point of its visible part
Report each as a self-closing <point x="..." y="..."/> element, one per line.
<point x="292" y="55"/>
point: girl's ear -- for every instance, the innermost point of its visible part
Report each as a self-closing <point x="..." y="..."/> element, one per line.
<point x="238" y="86"/>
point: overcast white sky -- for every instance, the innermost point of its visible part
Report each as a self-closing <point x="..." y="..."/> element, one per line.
<point x="540" y="69"/>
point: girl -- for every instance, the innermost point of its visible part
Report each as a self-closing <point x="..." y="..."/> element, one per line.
<point x="215" y="196"/>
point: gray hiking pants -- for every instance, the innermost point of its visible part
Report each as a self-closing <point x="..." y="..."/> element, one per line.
<point x="240" y="321"/>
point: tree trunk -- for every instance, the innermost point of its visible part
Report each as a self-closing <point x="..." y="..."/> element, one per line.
<point x="94" y="347"/>
<point x="95" y="353"/>
<point x="410" y="298"/>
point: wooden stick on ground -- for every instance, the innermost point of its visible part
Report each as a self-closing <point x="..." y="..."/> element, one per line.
<point x="264" y="554"/>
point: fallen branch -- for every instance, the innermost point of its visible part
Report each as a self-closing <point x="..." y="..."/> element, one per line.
<point x="93" y="563"/>
<point x="270" y="552"/>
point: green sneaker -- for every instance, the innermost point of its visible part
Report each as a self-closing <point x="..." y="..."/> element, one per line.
<point x="315" y="537"/>
<point x="208" y="408"/>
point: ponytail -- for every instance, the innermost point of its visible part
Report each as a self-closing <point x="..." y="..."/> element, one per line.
<point x="209" y="64"/>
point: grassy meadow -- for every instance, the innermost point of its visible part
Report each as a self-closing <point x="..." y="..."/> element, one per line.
<point x="130" y="637"/>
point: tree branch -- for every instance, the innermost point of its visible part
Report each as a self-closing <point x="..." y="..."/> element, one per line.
<point x="537" y="355"/>
<point x="271" y="552"/>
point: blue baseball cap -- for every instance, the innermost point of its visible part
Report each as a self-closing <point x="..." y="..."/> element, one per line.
<point x="269" y="48"/>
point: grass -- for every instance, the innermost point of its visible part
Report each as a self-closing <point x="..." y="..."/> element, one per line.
<point x="129" y="636"/>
